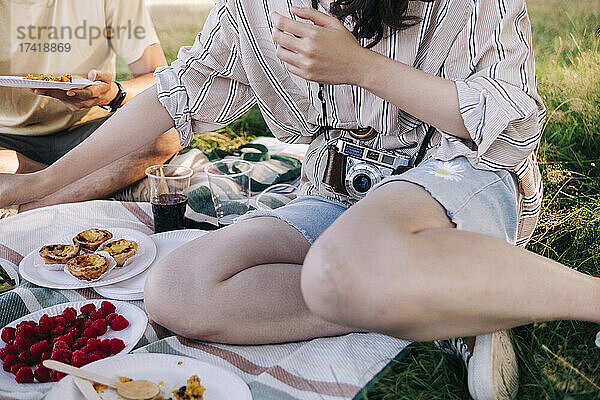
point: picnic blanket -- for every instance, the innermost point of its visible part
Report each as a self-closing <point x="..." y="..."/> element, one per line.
<point x="321" y="369"/>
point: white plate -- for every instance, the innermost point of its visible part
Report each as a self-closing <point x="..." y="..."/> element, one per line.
<point x="130" y="335"/>
<point x="166" y="242"/>
<point x="173" y="370"/>
<point x="21" y="82"/>
<point x="33" y="270"/>
<point x="11" y="269"/>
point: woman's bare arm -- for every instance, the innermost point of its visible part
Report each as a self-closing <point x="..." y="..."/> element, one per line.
<point x="327" y="52"/>
<point x="140" y="122"/>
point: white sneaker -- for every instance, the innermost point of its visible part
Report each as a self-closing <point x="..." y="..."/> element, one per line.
<point x="492" y="366"/>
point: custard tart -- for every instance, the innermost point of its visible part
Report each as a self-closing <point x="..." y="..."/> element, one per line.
<point x="87" y="267"/>
<point x="91" y="239"/>
<point x="121" y="250"/>
<point x="58" y="253"/>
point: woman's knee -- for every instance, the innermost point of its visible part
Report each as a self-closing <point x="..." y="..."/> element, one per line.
<point x="335" y="282"/>
<point x="349" y="279"/>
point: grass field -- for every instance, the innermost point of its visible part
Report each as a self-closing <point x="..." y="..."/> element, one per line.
<point x="567" y="45"/>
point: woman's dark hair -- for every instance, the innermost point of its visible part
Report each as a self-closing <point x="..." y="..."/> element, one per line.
<point x="373" y="18"/>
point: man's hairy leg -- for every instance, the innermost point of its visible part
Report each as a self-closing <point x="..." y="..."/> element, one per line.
<point x="114" y="177"/>
<point x="139" y="122"/>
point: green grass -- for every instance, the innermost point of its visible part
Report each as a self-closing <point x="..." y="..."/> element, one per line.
<point x="567" y="46"/>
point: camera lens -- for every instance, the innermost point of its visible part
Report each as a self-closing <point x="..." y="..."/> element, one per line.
<point x="362" y="183"/>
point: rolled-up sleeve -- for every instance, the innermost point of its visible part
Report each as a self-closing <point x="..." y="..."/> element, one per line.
<point x="499" y="103"/>
<point x="231" y="67"/>
<point x="206" y="87"/>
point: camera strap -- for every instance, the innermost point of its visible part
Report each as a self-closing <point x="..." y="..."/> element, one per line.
<point x="325" y="129"/>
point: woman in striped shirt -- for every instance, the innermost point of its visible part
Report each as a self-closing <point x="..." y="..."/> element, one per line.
<point x="428" y="254"/>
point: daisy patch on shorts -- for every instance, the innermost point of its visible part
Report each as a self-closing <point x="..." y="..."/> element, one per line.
<point x="449" y="170"/>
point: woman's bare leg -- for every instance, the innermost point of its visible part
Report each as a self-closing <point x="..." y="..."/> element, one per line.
<point x="393" y="264"/>
<point x="240" y="285"/>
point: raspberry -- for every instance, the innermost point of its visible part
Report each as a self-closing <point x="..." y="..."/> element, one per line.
<point x="80" y="343"/>
<point x="3" y="353"/>
<point x="87" y="324"/>
<point x="108" y="306"/>
<point x="41" y="331"/>
<point x="116" y="345"/>
<point x="69" y="314"/>
<point x="60" y="320"/>
<point x="30" y="323"/>
<point x="46" y="356"/>
<point x="94" y="315"/>
<point x="79" y="321"/>
<point x="62" y="356"/>
<point x="95" y="356"/>
<point x="58" y="330"/>
<point x="15" y="368"/>
<point x="93" y="344"/>
<point x="22" y="344"/>
<point x="74" y="332"/>
<point x="24" y="375"/>
<point x="24" y="331"/>
<point x="9" y="361"/>
<point x="8" y="334"/>
<point x="10" y="349"/>
<point x="89" y="332"/>
<point x="119" y="323"/>
<point x="6" y="350"/>
<point x="67" y="338"/>
<point x="100" y="326"/>
<point x="109" y="318"/>
<point x="46" y="322"/>
<point x="38" y="348"/>
<point x="79" y="359"/>
<point x="106" y="347"/>
<point x="26" y="358"/>
<point x="41" y="373"/>
<point x="60" y="345"/>
<point x="87" y="309"/>
<point x="56" y="376"/>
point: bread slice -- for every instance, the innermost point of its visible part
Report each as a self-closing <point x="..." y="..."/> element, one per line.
<point x="121" y="250"/>
<point x="87" y="267"/>
<point x="58" y="253"/>
<point x="91" y="239"/>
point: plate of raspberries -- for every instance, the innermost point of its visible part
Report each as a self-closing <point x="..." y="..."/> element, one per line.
<point x="76" y="333"/>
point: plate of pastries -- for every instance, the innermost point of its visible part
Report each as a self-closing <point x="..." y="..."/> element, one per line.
<point x="89" y="258"/>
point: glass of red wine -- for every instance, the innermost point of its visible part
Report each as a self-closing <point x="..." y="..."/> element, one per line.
<point x="169" y="186"/>
<point x="229" y="182"/>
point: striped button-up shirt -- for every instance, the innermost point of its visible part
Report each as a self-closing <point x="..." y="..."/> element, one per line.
<point x="484" y="46"/>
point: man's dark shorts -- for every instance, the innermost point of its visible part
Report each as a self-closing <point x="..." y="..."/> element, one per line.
<point x="49" y="148"/>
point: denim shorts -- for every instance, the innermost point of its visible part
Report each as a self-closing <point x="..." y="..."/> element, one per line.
<point x="475" y="200"/>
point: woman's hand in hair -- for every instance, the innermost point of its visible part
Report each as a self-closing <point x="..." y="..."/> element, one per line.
<point x="325" y="52"/>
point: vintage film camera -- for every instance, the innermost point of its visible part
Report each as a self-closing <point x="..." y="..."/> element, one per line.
<point x="353" y="168"/>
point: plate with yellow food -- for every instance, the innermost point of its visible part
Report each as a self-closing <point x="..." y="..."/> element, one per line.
<point x="179" y="378"/>
<point x="46" y="81"/>
<point x="96" y="256"/>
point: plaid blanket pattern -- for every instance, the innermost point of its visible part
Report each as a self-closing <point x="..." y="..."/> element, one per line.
<point x="328" y="368"/>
